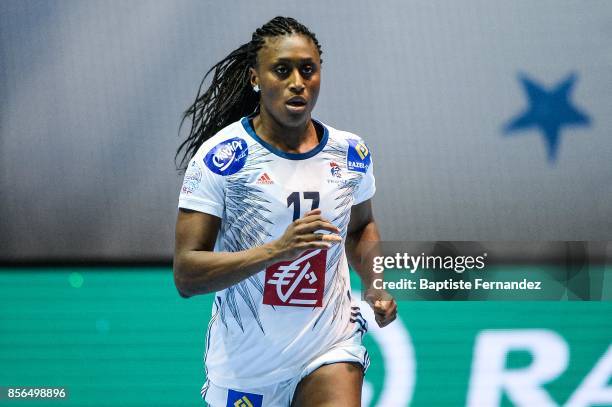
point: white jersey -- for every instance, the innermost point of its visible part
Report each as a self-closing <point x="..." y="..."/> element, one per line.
<point x="266" y="328"/>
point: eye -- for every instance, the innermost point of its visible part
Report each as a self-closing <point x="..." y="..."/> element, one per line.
<point x="308" y="69"/>
<point x="281" y="70"/>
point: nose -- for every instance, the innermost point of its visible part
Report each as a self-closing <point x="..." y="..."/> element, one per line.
<point x="296" y="83"/>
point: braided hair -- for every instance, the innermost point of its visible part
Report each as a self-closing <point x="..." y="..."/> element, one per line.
<point x="230" y="95"/>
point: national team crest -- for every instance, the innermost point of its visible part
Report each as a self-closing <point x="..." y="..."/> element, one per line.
<point x="335" y="170"/>
<point x="297" y="283"/>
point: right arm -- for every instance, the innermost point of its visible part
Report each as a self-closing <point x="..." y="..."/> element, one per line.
<point x="200" y="270"/>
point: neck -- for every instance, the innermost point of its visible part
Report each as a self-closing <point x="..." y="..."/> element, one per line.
<point x="298" y="139"/>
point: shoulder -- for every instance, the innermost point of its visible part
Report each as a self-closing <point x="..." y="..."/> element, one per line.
<point x="227" y="134"/>
<point x="358" y="155"/>
<point x="341" y="135"/>
<point x="346" y="139"/>
<point x="224" y="153"/>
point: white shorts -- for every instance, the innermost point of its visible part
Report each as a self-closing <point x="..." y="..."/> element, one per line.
<point x="280" y="394"/>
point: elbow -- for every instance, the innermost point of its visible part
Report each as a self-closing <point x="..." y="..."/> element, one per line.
<point x="182" y="292"/>
<point x="189" y="282"/>
<point x="180" y="281"/>
<point x="181" y="287"/>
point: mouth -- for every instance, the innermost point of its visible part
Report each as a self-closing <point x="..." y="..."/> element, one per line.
<point x="296" y="103"/>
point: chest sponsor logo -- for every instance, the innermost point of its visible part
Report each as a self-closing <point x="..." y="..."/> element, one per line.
<point x="242" y="399"/>
<point x="227" y="157"/>
<point x="358" y="158"/>
<point x="297" y="283"/>
<point x="192" y="179"/>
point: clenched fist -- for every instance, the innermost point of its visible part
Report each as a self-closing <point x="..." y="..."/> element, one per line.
<point x="383" y="305"/>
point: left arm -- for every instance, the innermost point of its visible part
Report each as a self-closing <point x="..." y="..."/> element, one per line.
<point x="362" y="245"/>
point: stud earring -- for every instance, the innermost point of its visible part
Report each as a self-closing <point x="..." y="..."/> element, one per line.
<point x="256" y="88"/>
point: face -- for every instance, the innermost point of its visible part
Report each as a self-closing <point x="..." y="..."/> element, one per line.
<point x="288" y="74"/>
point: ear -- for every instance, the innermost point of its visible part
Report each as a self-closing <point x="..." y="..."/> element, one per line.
<point x="253" y="78"/>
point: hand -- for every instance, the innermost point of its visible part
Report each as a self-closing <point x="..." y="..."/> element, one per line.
<point x="300" y="236"/>
<point x="383" y="305"/>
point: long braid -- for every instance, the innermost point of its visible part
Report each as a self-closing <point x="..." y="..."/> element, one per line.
<point x="230" y="96"/>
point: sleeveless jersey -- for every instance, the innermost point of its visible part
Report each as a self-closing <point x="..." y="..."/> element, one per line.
<point x="266" y="328"/>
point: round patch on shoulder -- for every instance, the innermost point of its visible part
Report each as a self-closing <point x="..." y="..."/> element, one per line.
<point x="192" y="179"/>
<point x="227" y="157"/>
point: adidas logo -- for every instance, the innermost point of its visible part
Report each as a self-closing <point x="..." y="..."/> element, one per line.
<point x="264" y="179"/>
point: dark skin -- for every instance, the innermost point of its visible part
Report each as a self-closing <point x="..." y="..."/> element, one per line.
<point x="287" y="68"/>
<point x="288" y="74"/>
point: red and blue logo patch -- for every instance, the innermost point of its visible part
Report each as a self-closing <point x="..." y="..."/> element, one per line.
<point x="335" y="170"/>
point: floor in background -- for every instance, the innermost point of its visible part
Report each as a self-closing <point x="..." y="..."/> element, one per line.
<point x="124" y="337"/>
